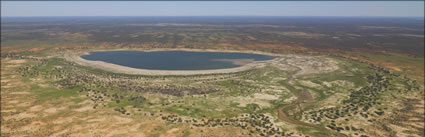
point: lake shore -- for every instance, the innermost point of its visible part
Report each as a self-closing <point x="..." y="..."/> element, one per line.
<point x="76" y="58"/>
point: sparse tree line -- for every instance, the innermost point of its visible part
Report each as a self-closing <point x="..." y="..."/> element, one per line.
<point x="18" y="56"/>
<point x="69" y="75"/>
<point x="257" y="124"/>
<point x="361" y="102"/>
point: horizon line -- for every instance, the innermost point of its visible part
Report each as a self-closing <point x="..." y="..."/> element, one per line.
<point x="216" y="16"/>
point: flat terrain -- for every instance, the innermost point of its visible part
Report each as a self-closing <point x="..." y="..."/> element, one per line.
<point x="334" y="77"/>
<point x="292" y="95"/>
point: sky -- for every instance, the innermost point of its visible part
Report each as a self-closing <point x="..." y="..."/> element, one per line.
<point x="213" y="8"/>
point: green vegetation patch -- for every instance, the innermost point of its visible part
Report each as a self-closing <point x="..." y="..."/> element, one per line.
<point x="45" y="94"/>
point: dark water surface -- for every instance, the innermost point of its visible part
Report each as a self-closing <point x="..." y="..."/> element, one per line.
<point x="173" y="60"/>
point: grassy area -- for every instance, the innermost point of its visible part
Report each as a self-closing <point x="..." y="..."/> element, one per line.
<point x="42" y="40"/>
<point x="261" y="90"/>
<point x="45" y="94"/>
<point x="314" y="132"/>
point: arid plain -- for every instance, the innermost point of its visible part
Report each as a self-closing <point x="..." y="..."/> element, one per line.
<point x="319" y="84"/>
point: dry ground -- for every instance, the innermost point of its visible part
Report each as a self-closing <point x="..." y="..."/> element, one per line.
<point x="23" y="114"/>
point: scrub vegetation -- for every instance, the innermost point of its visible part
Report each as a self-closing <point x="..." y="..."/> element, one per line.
<point x="322" y="91"/>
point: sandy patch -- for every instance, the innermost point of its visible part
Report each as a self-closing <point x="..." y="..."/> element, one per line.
<point x="4" y="80"/>
<point x="82" y="109"/>
<point x="36" y="108"/>
<point x="394" y="68"/>
<point x="260" y="99"/>
<point x="293" y="98"/>
<point x="113" y="133"/>
<point x="12" y="102"/>
<point x="310" y="84"/>
<point x="84" y="102"/>
<point x="26" y="128"/>
<point x="59" y="133"/>
<point x="50" y="110"/>
<point x="122" y="120"/>
<point x="339" y="83"/>
<point x="63" y="120"/>
<point x="20" y="116"/>
<point x="237" y="61"/>
<point x="18" y="61"/>
<point x="265" y="96"/>
<point x="25" y="104"/>
<point x="9" y="110"/>
<point x="135" y="127"/>
<point x="172" y="130"/>
<point x="7" y="86"/>
<point x="244" y="101"/>
<point x="43" y="85"/>
<point x="97" y="119"/>
<point x="19" y="93"/>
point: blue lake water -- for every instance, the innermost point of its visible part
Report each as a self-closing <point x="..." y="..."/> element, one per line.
<point x="175" y="60"/>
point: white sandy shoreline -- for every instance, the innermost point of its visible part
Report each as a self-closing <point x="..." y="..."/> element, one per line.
<point x="185" y="49"/>
<point x="76" y="57"/>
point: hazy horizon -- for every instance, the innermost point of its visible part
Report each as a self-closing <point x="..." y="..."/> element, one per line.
<point x="213" y="8"/>
<point x="230" y="16"/>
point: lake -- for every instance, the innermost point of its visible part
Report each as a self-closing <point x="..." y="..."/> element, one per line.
<point x="176" y="60"/>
